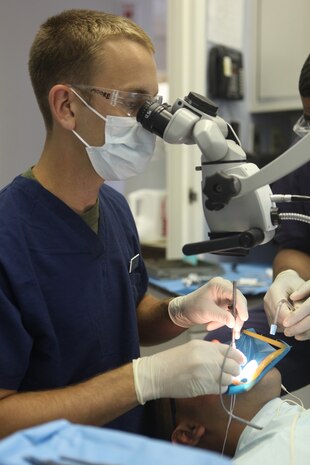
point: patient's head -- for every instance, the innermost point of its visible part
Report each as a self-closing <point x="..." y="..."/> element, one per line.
<point x="202" y="421"/>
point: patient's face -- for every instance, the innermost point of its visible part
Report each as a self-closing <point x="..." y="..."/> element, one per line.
<point x="192" y="419"/>
<point x="202" y="421"/>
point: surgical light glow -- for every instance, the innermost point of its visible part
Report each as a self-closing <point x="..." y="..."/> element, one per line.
<point x="247" y="372"/>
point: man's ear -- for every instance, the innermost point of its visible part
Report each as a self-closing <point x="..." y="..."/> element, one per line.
<point x="62" y="106"/>
<point x="187" y="433"/>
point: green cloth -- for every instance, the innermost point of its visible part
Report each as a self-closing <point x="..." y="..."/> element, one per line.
<point x="90" y="216"/>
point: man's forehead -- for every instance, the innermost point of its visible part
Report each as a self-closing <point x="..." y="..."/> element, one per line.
<point x="128" y="66"/>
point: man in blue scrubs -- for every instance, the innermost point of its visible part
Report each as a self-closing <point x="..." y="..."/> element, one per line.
<point x="73" y="302"/>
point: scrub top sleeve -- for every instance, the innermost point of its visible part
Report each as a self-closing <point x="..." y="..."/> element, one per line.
<point x="15" y="343"/>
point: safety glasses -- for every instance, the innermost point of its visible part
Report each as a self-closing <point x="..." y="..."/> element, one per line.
<point x="128" y="102"/>
<point x="302" y="126"/>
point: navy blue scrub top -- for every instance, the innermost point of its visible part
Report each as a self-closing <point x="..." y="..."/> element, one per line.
<point x="294" y="234"/>
<point x="67" y="299"/>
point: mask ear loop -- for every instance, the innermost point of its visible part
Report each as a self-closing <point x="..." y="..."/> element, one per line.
<point x="88" y="106"/>
<point x="91" y="109"/>
<point x="81" y="138"/>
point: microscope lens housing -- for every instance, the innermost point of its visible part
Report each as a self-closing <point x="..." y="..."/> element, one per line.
<point x="154" y="117"/>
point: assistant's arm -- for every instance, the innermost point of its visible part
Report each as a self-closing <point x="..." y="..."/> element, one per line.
<point x="292" y="259"/>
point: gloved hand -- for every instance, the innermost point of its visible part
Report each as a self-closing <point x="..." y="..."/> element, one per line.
<point x="282" y="287"/>
<point x="210" y="304"/>
<point x="189" y="370"/>
<point x="298" y="322"/>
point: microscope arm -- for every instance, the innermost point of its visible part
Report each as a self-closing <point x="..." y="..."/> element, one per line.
<point x="236" y="195"/>
<point x="221" y="187"/>
<point x="293" y="158"/>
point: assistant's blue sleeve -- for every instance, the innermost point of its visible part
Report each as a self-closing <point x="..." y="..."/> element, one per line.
<point x="294" y="234"/>
<point x="58" y="439"/>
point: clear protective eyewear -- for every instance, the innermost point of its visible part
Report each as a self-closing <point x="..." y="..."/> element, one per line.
<point x="302" y="126"/>
<point x="129" y="102"/>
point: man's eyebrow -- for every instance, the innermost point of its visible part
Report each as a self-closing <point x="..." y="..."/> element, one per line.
<point x="140" y="90"/>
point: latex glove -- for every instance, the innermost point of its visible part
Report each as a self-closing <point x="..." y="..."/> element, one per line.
<point x="297" y="324"/>
<point x="210" y="305"/>
<point x="282" y="287"/>
<point x="189" y="370"/>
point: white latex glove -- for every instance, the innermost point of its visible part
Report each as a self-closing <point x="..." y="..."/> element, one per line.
<point x="189" y="370"/>
<point x="297" y="324"/>
<point x="210" y="305"/>
<point x="282" y="287"/>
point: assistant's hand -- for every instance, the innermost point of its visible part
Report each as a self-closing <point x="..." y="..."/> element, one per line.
<point x="282" y="287"/>
<point x="210" y="305"/>
<point x="297" y="323"/>
<point x="189" y="370"/>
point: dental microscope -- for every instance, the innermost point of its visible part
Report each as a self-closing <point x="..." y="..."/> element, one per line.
<point x="238" y="204"/>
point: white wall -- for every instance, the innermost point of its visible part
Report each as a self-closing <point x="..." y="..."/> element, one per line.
<point x="21" y="127"/>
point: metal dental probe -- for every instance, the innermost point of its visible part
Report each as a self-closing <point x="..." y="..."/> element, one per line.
<point x="234" y="313"/>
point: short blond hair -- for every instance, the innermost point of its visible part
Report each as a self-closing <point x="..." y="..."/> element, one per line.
<point x="68" y="46"/>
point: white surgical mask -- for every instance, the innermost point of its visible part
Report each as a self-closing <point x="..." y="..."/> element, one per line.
<point x="127" y="150"/>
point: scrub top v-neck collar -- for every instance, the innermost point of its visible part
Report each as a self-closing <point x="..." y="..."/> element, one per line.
<point x="89" y="239"/>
